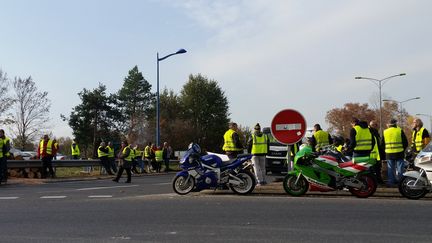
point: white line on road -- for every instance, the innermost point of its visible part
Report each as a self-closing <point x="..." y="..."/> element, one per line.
<point x="8" y="198"/>
<point x="105" y="187"/>
<point x="161" y="184"/>
<point x="100" y="196"/>
<point x="53" y="197"/>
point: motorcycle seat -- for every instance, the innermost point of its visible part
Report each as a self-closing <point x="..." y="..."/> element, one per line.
<point x="228" y="162"/>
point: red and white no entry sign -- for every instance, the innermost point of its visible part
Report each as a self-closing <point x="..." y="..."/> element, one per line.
<point x="288" y="126"/>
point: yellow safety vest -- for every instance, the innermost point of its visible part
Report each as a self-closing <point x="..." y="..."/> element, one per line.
<point x="48" y="147"/>
<point x="138" y="153"/>
<point x="5" y="141"/>
<point x="75" y="151"/>
<point x="363" y="138"/>
<point x="159" y="155"/>
<point x="322" y="139"/>
<point x="417" y="139"/>
<point x="375" y="152"/>
<point x="110" y="152"/>
<point x="101" y="153"/>
<point x="339" y="148"/>
<point x="147" y="151"/>
<point x="393" y="140"/>
<point x="131" y="154"/>
<point x="1" y="147"/>
<point x="229" y="142"/>
<point x="259" y="144"/>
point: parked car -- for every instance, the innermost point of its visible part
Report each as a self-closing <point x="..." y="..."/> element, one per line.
<point x="60" y="156"/>
<point x="29" y="155"/>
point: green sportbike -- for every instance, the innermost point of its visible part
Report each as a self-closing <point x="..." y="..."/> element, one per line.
<point x="330" y="170"/>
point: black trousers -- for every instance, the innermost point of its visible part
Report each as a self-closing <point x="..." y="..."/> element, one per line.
<point x="106" y="164"/>
<point x="127" y="168"/>
<point x="47" y="165"/>
<point x="3" y="169"/>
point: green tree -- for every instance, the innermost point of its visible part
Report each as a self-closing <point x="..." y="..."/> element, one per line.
<point x="31" y="110"/>
<point x="134" y="101"/>
<point x="205" y="108"/>
<point x="94" y="119"/>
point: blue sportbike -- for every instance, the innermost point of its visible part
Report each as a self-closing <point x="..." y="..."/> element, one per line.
<point x="210" y="172"/>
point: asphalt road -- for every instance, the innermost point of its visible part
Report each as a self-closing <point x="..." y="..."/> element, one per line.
<point x="148" y="211"/>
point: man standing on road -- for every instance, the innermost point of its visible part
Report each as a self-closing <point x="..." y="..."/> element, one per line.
<point x="420" y="136"/>
<point x="4" y="152"/>
<point x="111" y="157"/>
<point x="395" y="143"/>
<point x="232" y="145"/>
<point x="258" y="147"/>
<point x="103" y="156"/>
<point x="320" y="138"/>
<point x="75" y="150"/>
<point x="362" y="141"/>
<point x="166" y="154"/>
<point x="46" y="150"/>
<point x="147" y="157"/>
<point x="378" y="151"/>
<point x="126" y="157"/>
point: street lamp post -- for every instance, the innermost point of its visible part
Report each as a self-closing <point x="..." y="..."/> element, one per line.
<point x="400" y="106"/>
<point x="430" y="119"/>
<point x="181" y="51"/>
<point x="380" y="83"/>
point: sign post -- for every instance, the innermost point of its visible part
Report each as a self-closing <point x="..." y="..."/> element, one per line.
<point x="288" y="127"/>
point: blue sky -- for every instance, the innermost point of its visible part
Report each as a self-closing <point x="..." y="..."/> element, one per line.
<point x="266" y="55"/>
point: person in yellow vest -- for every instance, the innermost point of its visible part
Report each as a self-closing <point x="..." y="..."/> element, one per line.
<point x="258" y="147"/>
<point x="103" y="156"/>
<point x="138" y="160"/>
<point x="232" y="145"/>
<point x="159" y="159"/>
<point x="362" y="141"/>
<point x="111" y="156"/>
<point x="377" y="152"/>
<point x="420" y="136"/>
<point x="125" y="156"/>
<point x="395" y="143"/>
<point x="75" y="151"/>
<point x="4" y="153"/>
<point x="147" y="157"/>
<point x="320" y="138"/>
<point x="46" y="150"/>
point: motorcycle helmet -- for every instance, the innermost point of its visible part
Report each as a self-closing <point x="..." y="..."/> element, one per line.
<point x="195" y="148"/>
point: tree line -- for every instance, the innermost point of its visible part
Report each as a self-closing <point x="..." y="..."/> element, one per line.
<point x="198" y="113"/>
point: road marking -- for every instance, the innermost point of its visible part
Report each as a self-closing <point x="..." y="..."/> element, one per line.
<point x="105" y="187"/>
<point x="162" y="184"/>
<point x="8" y="198"/>
<point x="53" y="197"/>
<point x="100" y="196"/>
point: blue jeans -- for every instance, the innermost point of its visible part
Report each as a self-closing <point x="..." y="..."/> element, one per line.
<point x="392" y="166"/>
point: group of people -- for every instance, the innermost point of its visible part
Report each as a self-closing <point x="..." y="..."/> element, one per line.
<point x="152" y="157"/>
<point x="364" y="141"/>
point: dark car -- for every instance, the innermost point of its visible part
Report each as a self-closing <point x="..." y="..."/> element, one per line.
<point x="276" y="161"/>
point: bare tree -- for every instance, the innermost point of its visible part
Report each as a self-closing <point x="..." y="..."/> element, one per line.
<point x="31" y="109"/>
<point x="5" y="99"/>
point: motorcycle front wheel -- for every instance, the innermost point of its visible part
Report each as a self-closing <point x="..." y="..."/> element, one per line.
<point x="247" y="185"/>
<point x="295" y="189"/>
<point x="408" y="192"/>
<point x="368" y="189"/>
<point x="183" y="184"/>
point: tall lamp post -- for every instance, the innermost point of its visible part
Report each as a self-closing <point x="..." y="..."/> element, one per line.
<point x="380" y="83"/>
<point x="181" y="51"/>
<point x="430" y="119"/>
<point x="400" y="106"/>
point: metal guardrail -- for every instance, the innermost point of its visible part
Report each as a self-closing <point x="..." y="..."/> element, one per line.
<point x="12" y="164"/>
<point x="56" y="163"/>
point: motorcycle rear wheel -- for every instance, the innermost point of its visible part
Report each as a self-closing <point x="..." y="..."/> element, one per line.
<point x="370" y="184"/>
<point x="408" y="192"/>
<point x="248" y="183"/>
<point x="290" y="186"/>
<point x="182" y="185"/>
